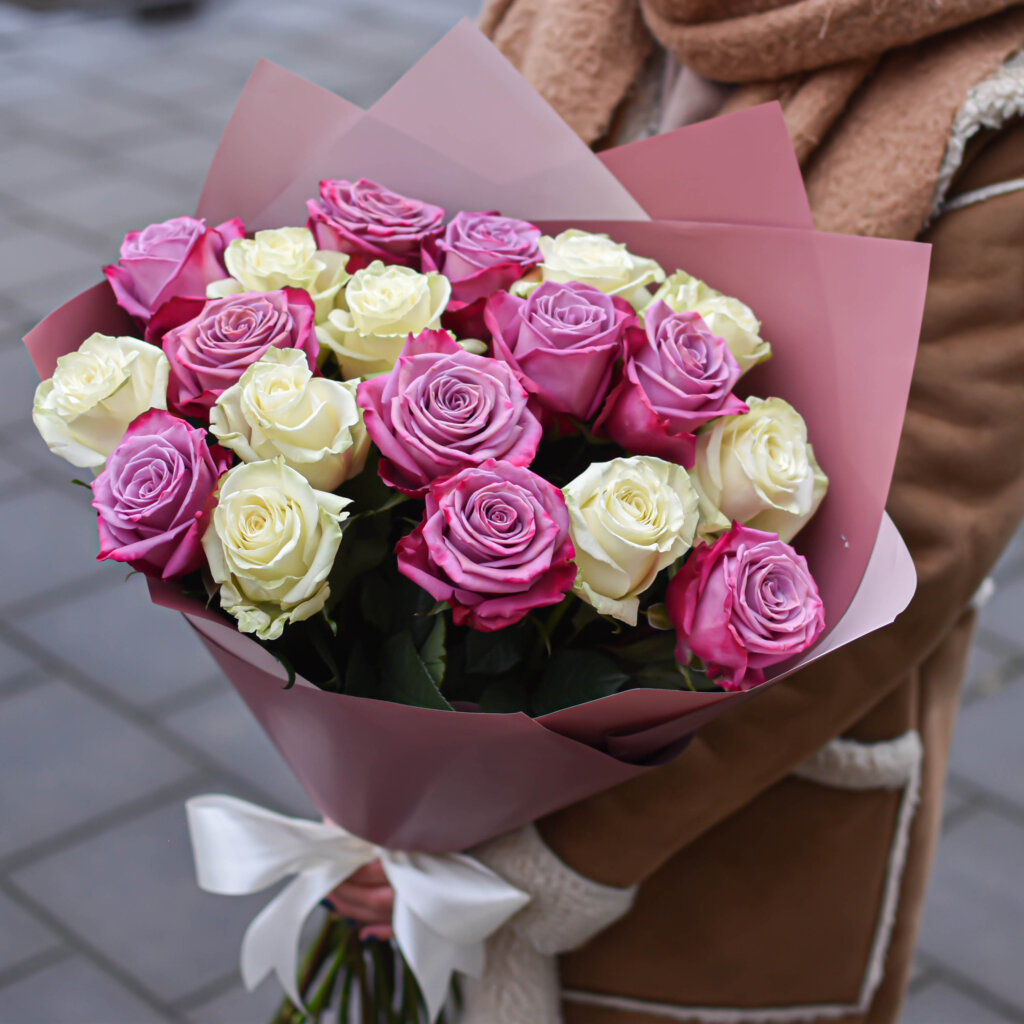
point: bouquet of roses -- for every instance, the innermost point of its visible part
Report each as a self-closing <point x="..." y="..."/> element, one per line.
<point x="493" y="490"/>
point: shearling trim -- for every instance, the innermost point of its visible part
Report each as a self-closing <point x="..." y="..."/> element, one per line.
<point x="990" y="104"/>
<point x="897" y="759"/>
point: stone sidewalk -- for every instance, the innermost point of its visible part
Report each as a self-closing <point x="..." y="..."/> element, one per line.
<point x="111" y="714"/>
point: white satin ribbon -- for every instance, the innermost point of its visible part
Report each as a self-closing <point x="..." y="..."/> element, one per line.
<point x="446" y="905"/>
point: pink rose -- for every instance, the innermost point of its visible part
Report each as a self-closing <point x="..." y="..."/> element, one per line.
<point x="678" y="377"/>
<point x="742" y="604"/>
<point x="441" y="410"/>
<point x="494" y="543"/>
<point x="209" y="344"/>
<point x="178" y="257"/>
<point x="371" y="222"/>
<point x="153" y="495"/>
<point x="480" y="253"/>
<point x="562" y="342"/>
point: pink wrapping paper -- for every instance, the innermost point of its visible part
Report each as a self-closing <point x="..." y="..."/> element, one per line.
<point x="843" y="314"/>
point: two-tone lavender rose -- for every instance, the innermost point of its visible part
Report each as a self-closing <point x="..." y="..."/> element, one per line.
<point x="370" y="222"/>
<point x="494" y="543"/>
<point x="562" y="341"/>
<point x="210" y="344"/>
<point x="152" y="499"/>
<point x="676" y="377"/>
<point x="742" y="604"/>
<point x="442" y="409"/>
<point x="177" y="257"/>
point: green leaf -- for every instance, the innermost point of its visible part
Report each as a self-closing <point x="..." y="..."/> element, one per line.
<point x="375" y="601"/>
<point x="433" y="652"/>
<point x="360" y="673"/>
<point x="404" y="678"/>
<point x="652" y="648"/>
<point x="505" y="696"/>
<point x="493" y="653"/>
<point x="575" y="677"/>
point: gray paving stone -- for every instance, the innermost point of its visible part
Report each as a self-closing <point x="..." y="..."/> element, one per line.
<point x="27" y="255"/>
<point x="185" y="156"/>
<point x="56" y="543"/>
<point x="13" y="662"/>
<point x="73" y="114"/>
<point x="240" y="1007"/>
<point x="69" y="759"/>
<point x="987" y="671"/>
<point x="18" y="381"/>
<point x="125" y="643"/>
<point x="1004" y="614"/>
<point x="131" y="891"/>
<point x="940" y="1003"/>
<point x="225" y="730"/>
<point x="30" y="165"/>
<point x="972" y="921"/>
<point x="21" y="936"/>
<point x="987" y="747"/>
<point x="73" y="991"/>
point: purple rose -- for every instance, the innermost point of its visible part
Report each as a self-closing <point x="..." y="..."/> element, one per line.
<point x="371" y="222"/>
<point x="209" y="344"/>
<point x="178" y="257"/>
<point x="153" y="495"/>
<point x="562" y="342"/>
<point x="677" y="377"/>
<point x="441" y="409"/>
<point x="480" y="253"/>
<point x="494" y="543"/>
<point x="742" y="604"/>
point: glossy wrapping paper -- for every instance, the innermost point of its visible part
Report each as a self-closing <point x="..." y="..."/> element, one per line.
<point x="722" y="199"/>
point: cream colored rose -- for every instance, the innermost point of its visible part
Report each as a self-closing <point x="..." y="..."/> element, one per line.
<point x="758" y="469"/>
<point x="279" y="408"/>
<point x="271" y="544"/>
<point x="726" y="317"/>
<point x="384" y="304"/>
<point x="598" y="261"/>
<point x="83" y="410"/>
<point x="283" y="258"/>
<point x="628" y="519"/>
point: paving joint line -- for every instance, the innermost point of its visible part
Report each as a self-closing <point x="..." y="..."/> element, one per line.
<point x="31" y="965"/>
<point x="968" y="986"/>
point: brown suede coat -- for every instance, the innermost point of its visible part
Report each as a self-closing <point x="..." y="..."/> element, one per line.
<point x="762" y="894"/>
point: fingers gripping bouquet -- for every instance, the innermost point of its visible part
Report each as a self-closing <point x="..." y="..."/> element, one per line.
<point x="481" y="512"/>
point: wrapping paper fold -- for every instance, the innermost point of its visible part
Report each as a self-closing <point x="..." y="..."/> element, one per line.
<point x="723" y="200"/>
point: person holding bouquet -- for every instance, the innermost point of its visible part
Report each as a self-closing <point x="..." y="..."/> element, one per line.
<point x="777" y="870"/>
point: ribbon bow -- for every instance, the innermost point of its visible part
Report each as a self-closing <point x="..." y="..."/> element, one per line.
<point x="446" y="905"/>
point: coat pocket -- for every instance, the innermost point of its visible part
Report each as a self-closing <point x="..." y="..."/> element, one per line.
<point x="784" y="912"/>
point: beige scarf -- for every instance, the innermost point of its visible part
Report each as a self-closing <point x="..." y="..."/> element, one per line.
<point x="869" y="88"/>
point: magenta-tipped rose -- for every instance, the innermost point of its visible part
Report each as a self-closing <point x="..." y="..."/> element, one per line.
<point x="562" y="342"/>
<point x="153" y="497"/>
<point x="743" y="604"/>
<point x="494" y="543"/>
<point x="678" y="376"/>
<point x="442" y="409"/>
<point x="480" y="253"/>
<point x="177" y="257"/>
<point x="209" y="344"/>
<point x="370" y="222"/>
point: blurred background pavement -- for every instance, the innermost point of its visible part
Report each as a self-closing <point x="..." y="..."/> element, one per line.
<point x="111" y="714"/>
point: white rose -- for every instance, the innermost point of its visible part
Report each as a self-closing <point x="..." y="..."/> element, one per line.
<point x="628" y="519"/>
<point x="279" y="408"/>
<point x="598" y="261"/>
<point x="384" y="305"/>
<point x="283" y="258"/>
<point x="271" y="544"/>
<point x="759" y="470"/>
<point x="83" y="410"/>
<point x="726" y="317"/>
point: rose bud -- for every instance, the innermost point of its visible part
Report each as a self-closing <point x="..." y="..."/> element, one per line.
<point x="210" y="344"/>
<point x="494" y="543"/>
<point x="678" y="377"/>
<point x="371" y="222"/>
<point x="562" y="342"/>
<point x="442" y="409"/>
<point x="176" y="257"/>
<point x="152" y="497"/>
<point x="743" y="604"/>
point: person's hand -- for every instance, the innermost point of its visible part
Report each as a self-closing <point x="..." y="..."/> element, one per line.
<point x="367" y="897"/>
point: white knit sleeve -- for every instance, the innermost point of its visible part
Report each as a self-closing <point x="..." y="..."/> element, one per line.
<point x="520" y="981"/>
